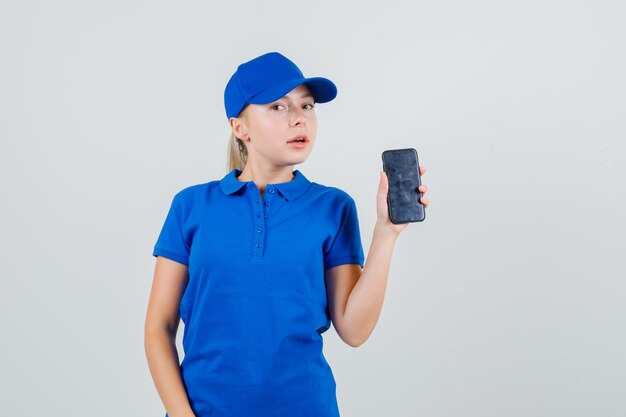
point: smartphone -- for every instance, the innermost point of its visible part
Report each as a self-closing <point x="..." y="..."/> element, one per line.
<point x="402" y="169"/>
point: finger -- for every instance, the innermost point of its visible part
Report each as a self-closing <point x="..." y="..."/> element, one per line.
<point x="422" y="170"/>
<point x="425" y="201"/>
<point x="382" y="184"/>
<point x="423" y="188"/>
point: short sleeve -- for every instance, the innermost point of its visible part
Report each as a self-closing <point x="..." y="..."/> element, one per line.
<point x="171" y="242"/>
<point x="346" y="247"/>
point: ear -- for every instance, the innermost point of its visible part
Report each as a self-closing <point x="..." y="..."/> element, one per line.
<point x="239" y="129"/>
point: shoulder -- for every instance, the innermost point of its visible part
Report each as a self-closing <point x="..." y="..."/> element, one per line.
<point x="190" y="195"/>
<point x="333" y="194"/>
<point x="194" y="189"/>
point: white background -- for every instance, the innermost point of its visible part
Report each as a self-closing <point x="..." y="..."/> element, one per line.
<point x="508" y="300"/>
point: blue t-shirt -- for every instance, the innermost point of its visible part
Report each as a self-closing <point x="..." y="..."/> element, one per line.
<point x="255" y="306"/>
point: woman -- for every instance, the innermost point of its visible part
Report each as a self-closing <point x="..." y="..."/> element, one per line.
<point x="259" y="263"/>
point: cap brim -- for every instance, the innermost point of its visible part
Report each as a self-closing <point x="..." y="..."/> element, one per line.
<point x="323" y="90"/>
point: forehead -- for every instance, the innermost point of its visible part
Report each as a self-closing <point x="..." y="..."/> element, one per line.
<point x="300" y="91"/>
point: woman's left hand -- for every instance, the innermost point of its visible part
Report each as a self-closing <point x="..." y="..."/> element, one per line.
<point x="382" y="209"/>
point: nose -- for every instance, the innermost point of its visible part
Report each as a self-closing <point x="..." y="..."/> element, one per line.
<point x="296" y="116"/>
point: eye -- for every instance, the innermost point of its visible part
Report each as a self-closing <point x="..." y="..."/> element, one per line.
<point x="311" y="105"/>
<point x="276" y="105"/>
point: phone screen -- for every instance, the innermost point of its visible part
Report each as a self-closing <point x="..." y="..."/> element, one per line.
<point x="402" y="169"/>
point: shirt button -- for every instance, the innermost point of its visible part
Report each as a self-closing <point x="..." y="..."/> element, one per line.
<point x="260" y="230"/>
<point x="258" y="245"/>
<point x="267" y="203"/>
<point x="265" y="214"/>
<point x="258" y="215"/>
<point x="271" y="190"/>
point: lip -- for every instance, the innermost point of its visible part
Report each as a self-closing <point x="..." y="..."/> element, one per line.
<point x="306" y="138"/>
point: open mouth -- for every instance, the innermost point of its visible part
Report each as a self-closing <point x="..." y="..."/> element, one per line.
<point x="299" y="139"/>
<point x="302" y="139"/>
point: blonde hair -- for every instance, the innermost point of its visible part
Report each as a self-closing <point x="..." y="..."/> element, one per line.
<point x="237" y="151"/>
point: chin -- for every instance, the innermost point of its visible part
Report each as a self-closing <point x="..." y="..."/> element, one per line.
<point x="298" y="161"/>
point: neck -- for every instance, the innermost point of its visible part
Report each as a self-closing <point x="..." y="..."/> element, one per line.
<point x="264" y="177"/>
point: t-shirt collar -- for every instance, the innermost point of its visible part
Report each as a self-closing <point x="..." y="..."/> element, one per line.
<point x="290" y="190"/>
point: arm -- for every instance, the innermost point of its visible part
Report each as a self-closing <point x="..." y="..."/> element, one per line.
<point x="355" y="296"/>
<point x="162" y="319"/>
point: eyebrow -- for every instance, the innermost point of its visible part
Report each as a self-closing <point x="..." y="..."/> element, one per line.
<point x="305" y="95"/>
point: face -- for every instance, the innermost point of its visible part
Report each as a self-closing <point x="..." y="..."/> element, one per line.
<point x="266" y="129"/>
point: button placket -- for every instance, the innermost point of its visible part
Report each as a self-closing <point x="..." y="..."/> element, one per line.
<point x="262" y="230"/>
<point x="257" y="241"/>
<point x="261" y="212"/>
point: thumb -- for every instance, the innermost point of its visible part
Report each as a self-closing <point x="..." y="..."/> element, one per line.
<point x="383" y="185"/>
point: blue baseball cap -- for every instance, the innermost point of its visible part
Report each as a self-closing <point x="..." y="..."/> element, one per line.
<point x="267" y="78"/>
